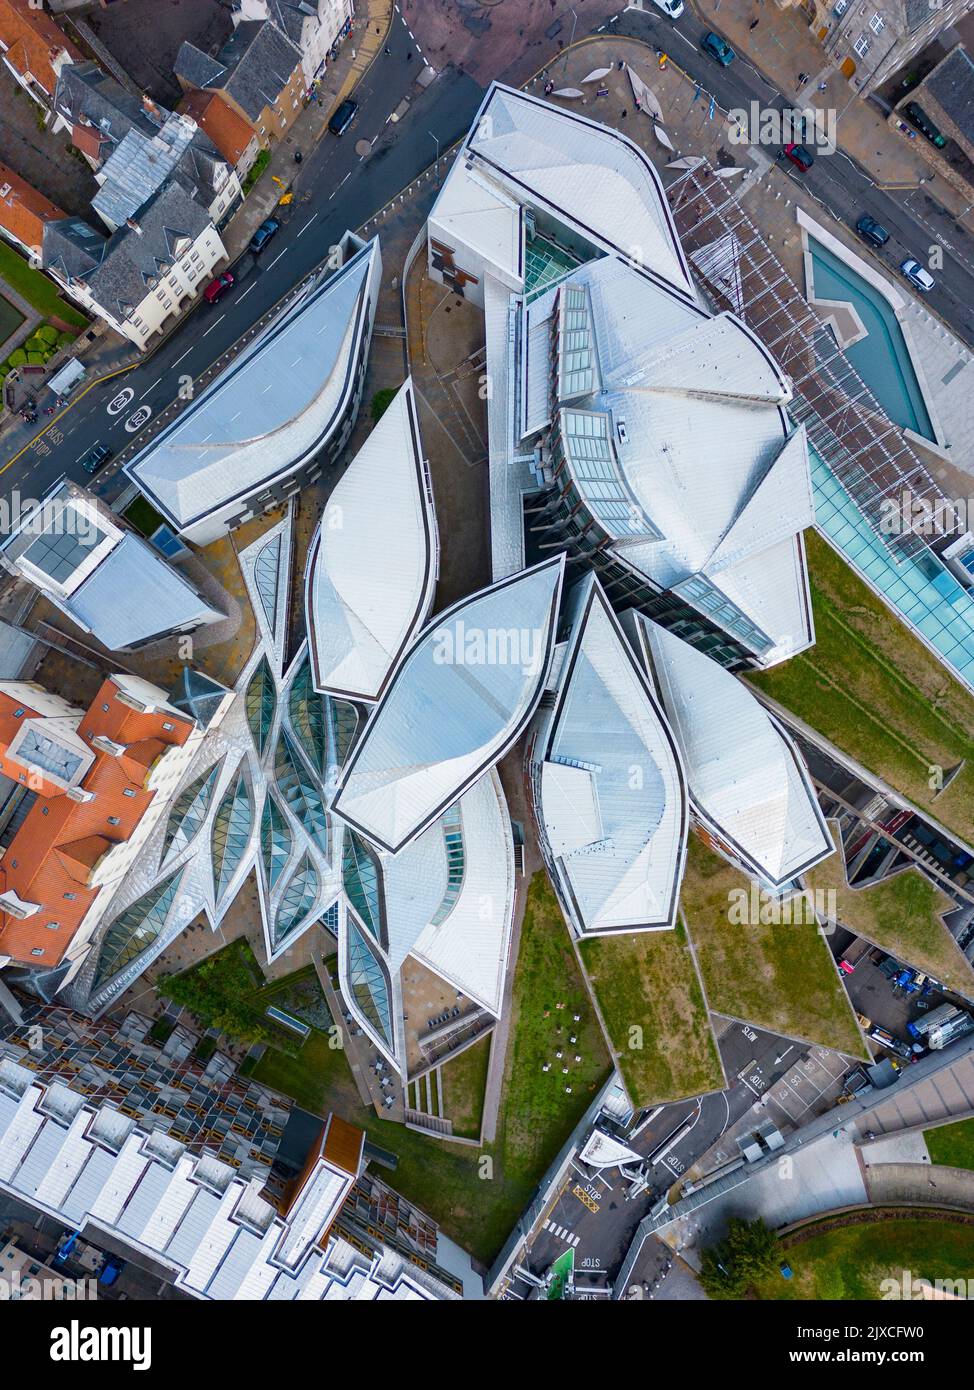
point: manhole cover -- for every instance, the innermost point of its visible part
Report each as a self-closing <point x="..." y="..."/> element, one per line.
<point x="363" y="148"/>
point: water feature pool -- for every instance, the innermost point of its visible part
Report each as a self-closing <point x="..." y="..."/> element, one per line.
<point x="882" y="358"/>
<point x="922" y="590"/>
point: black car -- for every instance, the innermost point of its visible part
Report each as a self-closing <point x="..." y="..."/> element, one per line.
<point x="870" y="230"/>
<point x="263" y="234"/>
<point x="343" y="117"/>
<point x="96" y="458"/>
<point x="916" y="115"/>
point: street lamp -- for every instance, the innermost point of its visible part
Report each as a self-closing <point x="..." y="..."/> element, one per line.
<point x="572" y="39"/>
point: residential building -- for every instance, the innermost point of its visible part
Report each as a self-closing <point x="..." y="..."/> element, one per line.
<point x="314" y="26"/>
<point x="193" y="1220"/>
<point x="22" y="1277"/>
<point x="258" y="71"/>
<point x="99" y="112"/>
<point x="81" y="793"/>
<point x="141" y="276"/>
<point x="234" y="137"/>
<point x="24" y="213"/>
<point x="34" y="49"/>
<point x="611" y="380"/>
<point x="103" y="576"/>
<point x="946" y="98"/>
<point x="279" y="411"/>
<point x="870" y="42"/>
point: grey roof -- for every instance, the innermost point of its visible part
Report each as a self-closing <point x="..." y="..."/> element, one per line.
<point x="143" y="162"/>
<point x="84" y="90"/>
<point x="289" y="16"/>
<point x="133" y="260"/>
<point x="134" y="596"/>
<point x="196" y="68"/>
<point x="253" y="66"/>
<point x="72" y="247"/>
<point x="952" y="85"/>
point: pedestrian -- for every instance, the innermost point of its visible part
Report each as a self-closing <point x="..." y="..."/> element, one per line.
<point x="754" y="24"/>
<point x="409" y="57"/>
<point x="638" y="107"/>
<point x="388" y="49"/>
<point x="802" y="78"/>
<point x="625" y="114"/>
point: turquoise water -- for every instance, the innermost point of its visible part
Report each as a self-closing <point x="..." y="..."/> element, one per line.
<point x="882" y="359"/>
<point x="923" y="590"/>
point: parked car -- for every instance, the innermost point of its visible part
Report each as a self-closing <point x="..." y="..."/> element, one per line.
<point x="96" y="458"/>
<point x="343" y="117"/>
<point x="263" y="234"/>
<point x="870" y="230"/>
<point x="671" y="8"/>
<point x="217" y="288"/>
<point x="717" y="48"/>
<point x="918" y="277"/>
<point x="800" y="155"/>
<point x="916" y="115"/>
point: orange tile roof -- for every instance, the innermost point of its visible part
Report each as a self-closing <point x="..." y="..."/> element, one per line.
<point x="343" y="1145"/>
<point x="50" y="858"/>
<point x="23" y="211"/>
<point x="216" y="118"/>
<point x="33" y="41"/>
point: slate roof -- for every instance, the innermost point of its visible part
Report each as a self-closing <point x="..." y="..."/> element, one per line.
<point x="85" y="90"/>
<point x="253" y="67"/>
<point x="951" y="84"/>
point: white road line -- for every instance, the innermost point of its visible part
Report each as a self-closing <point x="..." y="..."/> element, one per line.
<point x="150" y="388"/>
<point x="186" y="353"/>
<point x="276" y="259"/>
<point x="214" y="324"/>
<point x="247" y="291"/>
<point x="305" y="227"/>
<point x="81" y="456"/>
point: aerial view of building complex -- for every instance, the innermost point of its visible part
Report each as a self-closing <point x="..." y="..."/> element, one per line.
<point x="486" y="666"/>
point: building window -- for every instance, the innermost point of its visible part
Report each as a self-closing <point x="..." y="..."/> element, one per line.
<point x="113" y="820"/>
<point x="168" y="727"/>
<point x="45" y="810"/>
<point x="105" y="707"/>
<point x="877" y="23"/>
<point x="70" y="897"/>
<point x="37" y="951"/>
<point x="18" y="713"/>
<point x="53" y="926"/>
<point x="862" y="45"/>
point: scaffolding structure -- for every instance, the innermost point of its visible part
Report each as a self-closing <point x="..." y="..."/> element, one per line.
<point x="847" y="427"/>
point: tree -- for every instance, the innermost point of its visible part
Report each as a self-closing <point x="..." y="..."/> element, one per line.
<point x="749" y="1250"/>
<point x="381" y="402"/>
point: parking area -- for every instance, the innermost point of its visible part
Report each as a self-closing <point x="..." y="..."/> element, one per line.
<point x="812" y="1085"/>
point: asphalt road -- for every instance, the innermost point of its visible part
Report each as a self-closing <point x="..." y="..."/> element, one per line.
<point x="334" y="190"/>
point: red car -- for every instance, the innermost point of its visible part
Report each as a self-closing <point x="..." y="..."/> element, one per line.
<point x="217" y="288"/>
<point x="802" y="158"/>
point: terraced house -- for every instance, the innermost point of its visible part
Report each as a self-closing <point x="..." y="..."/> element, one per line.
<point x="34" y="49"/>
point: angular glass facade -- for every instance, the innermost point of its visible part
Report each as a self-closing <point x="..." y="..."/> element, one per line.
<point x="232" y="825"/>
<point x="344" y="722"/>
<point x="189" y="811"/>
<point x="297" y="787"/>
<point x="267" y="570"/>
<point x="261" y="702"/>
<point x="362" y="881"/>
<point x="135" y="929"/>
<point x="275" y="840"/>
<point x="455" y="860"/>
<point x="306" y="709"/>
<point x="298" y="900"/>
<point x="369" y="983"/>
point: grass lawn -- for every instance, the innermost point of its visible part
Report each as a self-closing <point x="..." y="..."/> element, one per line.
<point x="878" y="694"/>
<point x="902" y="915"/>
<point x="40" y="292"/>
<point x="852" y="1261"/>
<point x="648" y="980"/>
<point x="464" y="1080"/>
<point x="780" y="977"/>
<point x="475" y="1202"/>
<point x="143" y="516"/>
<point x="10" y="318"/>
<point x="952" y="1145"/>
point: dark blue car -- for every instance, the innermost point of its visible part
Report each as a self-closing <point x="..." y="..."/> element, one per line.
<point x="263" y="234"/>
<point x="717" y="48"/>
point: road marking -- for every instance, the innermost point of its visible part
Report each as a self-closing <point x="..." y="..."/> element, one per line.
<point x="88" y="450"/>
<point x="150" y="388"/>
<point x="302" y="231"/>
<point x="247" y="291"/>
<point x="187" y="352"/>
<point x="276" y="259"/>
<point x="214" y="324"/>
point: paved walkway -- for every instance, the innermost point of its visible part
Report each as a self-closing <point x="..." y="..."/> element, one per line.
<point x="916" y="1183"/>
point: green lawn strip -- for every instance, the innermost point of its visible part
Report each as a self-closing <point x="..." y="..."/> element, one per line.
<point x="226" y="991"/>
<point x="317" y="1076"/>
<point x="143" y="516"/>
<point x="464" y="1080"/>
<point x="903" y="915"/>
<point x="647" y="980"/>
<point x="875" y="691"/>
<point x="952" y="1145"/>
<point x="778" y="976"/>
<point x="851" y="1261"/>
<point x="40" y="292"/>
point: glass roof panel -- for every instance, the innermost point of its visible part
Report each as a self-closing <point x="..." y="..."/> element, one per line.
<point x="275" y="840"/>
<point x="135" y="929"/>
<point x="189" y="811"/>
<point x="261" y="702"/>
<point x="368" y="983"/>
<point x="232" y="825"/>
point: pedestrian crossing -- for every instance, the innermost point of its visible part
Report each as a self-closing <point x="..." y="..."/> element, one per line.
<point x="562" y="1232"/>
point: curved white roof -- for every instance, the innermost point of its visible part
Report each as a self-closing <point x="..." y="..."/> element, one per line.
<point x="269" y="409"/>
<point x="747" y="781"/>
<point x="458" y="926"/>
<point x="458" y="700"/>
<point x="590" y="174"/>
<point x="372" y="565"/>
<point x="613" y="797"/>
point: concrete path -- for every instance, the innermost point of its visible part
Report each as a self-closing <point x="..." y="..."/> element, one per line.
<point x="915" y="1183"/>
